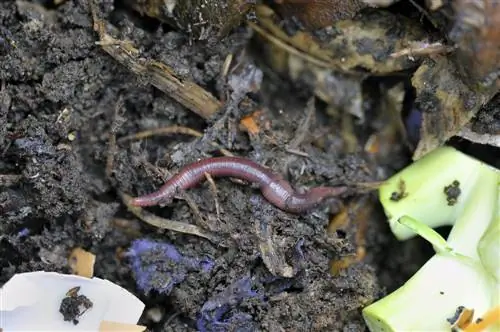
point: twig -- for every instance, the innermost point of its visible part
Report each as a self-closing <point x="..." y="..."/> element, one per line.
<point x="422" y="49"/>
<point x="194" y="207"/>
<point x="424" y="12"/>
<point x="297" y="152"/>
<point x="164" y="131"/>
<point x="213" y="188"/>
<point x="303" y="130"/>
<point x="162" y="223"/>
<point x="164" y="78"/>
<point x="171" y="130"/>
<point x="112" y="139"/>
<point x="365" y="186"/>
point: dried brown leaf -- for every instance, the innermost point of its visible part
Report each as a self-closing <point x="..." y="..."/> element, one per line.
<point x="314" y="14"/>
<point x="477" y="34"/>
<point x="446" y="103"/>
<point x="363" y="44"/>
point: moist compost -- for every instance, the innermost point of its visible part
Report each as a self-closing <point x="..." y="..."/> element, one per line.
<point x="62" y="98"/>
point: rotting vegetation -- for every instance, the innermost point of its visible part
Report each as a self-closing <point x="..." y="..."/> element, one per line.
<point x="99" y="102"/>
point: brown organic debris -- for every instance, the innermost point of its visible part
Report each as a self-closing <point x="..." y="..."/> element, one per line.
<point x="476" y="33"/>
<point x="335" y="63"/>
<point x="163" y="223"/>
<point x="353" y="46"/>
<point x="355" y="214"/>
<point x="164" y="78"/>
<point x="200" y="19"/>
<point x="315" y="14"/>
<point x="446" y="103"/>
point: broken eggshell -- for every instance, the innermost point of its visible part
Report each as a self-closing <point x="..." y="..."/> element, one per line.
<point x="31" y="302"/>
<point x="201" y="19"/>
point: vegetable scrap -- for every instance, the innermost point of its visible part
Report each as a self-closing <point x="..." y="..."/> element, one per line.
<point x="462" y="318"/>
<point x="272" y="256"/>
<point x="333" y="55"/>
<point x="279" y="261"/>
<point x="251" y="123"/>
<point x="465" y="267"/>
<point x="335" y="64"/>
<point x="489" y="320"/>
<point x="476" y="35"/>
<point x="445" y="102"/>
<point x="160" y="266"/>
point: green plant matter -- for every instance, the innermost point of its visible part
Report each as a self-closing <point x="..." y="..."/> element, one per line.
<point x="446" y="187"/>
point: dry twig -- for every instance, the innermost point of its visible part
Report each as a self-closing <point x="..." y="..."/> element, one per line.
<point x="162" y="223"/>
<point x="213" y="188"/>
<point x="171" y="130"/>
<point x="164" y="78"/>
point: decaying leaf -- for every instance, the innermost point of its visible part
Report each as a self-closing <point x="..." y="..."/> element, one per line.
<point x="315" y="14"/>
<point x="380" y="3"/>
<point x="446" y="103"/>
<point x="485" y="127"/>
<point x="359" y="45"/>
<point x="389" y="126"/>
<point x="335" y="61"/>
<point x="202" y="19"/>
<point x="477" y="34"/>
<point x="487" y="120"/>
<point x="487" y="139"/>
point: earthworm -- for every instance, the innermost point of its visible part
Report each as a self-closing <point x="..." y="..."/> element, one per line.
<point x="274" y="187"/>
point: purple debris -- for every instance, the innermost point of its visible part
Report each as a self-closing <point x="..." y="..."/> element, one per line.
<point x="160" y="266"/>
<point x="23" y="233"/>
<point x="299" y="249"/>
<point x="220" y="314"/>
<point x="413" y="123"/>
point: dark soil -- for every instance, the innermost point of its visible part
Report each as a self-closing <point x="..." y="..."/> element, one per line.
<point x="58" y="107"/>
